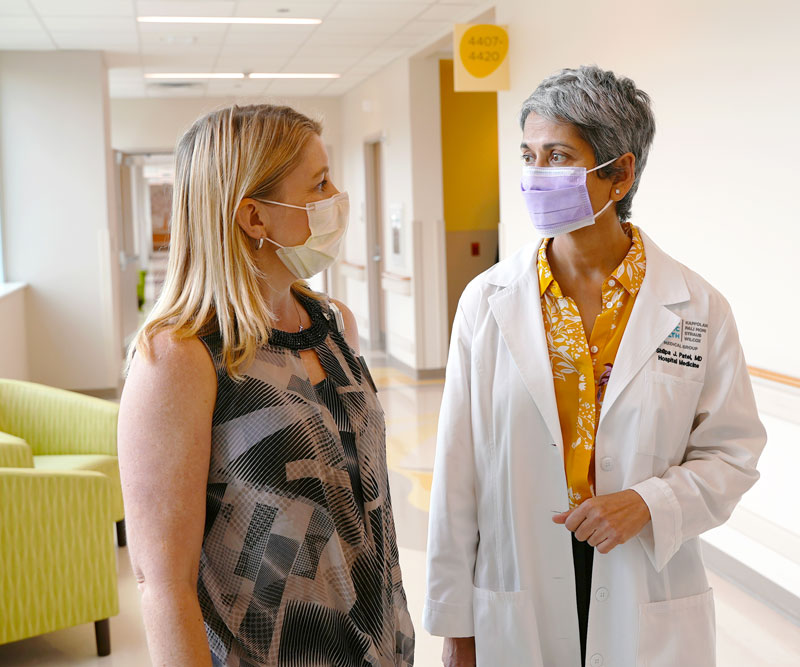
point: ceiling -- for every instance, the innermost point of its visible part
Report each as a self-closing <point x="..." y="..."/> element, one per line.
<point x="355" y="39"/>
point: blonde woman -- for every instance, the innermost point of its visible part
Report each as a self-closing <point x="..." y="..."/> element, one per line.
<point x="251" y="440"/>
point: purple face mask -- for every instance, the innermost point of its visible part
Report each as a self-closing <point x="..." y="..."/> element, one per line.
<point x="557" y="198"/>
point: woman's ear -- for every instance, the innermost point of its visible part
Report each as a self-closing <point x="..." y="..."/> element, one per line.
<point x="623" y="180"/>
<point x="252" y="218"/>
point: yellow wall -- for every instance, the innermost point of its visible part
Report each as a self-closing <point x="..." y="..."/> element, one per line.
<point x="469" y="156"/>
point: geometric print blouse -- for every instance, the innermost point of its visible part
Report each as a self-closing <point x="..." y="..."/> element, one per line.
<point x="299" y="565"/>
<point x="582" y="361"/>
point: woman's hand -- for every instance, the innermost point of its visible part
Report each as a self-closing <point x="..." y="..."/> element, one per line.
<point x="458" y="652"/>
<point x="607" y="521"/>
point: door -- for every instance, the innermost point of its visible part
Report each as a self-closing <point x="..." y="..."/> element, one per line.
<point x="375" y="247"/>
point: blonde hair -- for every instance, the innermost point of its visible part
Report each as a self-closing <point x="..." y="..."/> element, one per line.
<point x="212" y="277"/>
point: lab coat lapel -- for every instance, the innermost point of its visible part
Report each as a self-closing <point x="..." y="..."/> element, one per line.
<point x="518" y="312"/>
<point x="651" y="320"/>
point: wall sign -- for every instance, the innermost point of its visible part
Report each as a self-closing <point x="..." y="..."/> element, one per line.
<point x="481" y="57"/>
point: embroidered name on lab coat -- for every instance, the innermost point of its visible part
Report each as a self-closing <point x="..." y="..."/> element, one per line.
<point x="682" y="346"/>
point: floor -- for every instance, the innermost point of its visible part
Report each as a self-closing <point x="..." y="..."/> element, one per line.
<point x="749" y="634"/>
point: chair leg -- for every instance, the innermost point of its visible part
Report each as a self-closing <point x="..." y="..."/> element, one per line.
<point x="102" y="634"/>
<point x="122" y="538"/>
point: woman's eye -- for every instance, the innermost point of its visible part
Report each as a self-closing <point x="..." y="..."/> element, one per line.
<point x="527" y="158"/>
<point x="322" y="185"/>
<point x="558" y="158"/>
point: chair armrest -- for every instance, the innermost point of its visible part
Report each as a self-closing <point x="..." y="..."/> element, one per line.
<point x="14" y="452"/>
<point x="57" y="551"/>
<point x="56" y="421"/>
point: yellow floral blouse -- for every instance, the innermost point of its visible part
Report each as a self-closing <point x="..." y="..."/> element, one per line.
<point x="575" y="361"/>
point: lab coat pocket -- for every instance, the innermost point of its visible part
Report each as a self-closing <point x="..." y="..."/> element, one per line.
<point x="677" y="632"/>
<point x="669" y="403"/>
<point x="505" y="629"/>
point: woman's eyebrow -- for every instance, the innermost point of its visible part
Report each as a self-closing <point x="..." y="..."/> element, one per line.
<point x="525" y="146"/>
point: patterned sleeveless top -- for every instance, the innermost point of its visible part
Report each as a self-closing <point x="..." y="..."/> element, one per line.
<point x="299" y="565"/>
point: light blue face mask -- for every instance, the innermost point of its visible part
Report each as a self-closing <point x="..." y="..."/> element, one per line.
<point x="557" y="198"/>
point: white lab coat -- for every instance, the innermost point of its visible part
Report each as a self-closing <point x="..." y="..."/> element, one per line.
<point x="679" y="425"/>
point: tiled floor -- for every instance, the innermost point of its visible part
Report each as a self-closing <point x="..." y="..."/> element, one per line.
<point x="749" y="633"/>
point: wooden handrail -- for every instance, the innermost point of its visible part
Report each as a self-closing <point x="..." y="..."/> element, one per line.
<point x="394" y="276"/>
<point x="360" y="267"/>
<point x="773" y="376"/>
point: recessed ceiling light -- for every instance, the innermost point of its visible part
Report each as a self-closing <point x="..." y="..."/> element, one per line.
<point x="227" y="19"/>
<point x="195" y="75"/>
<point x="289" y="75"/>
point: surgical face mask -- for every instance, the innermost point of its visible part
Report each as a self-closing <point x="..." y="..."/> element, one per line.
<point x="557" y="198"/>
<point x="327" y="220"/>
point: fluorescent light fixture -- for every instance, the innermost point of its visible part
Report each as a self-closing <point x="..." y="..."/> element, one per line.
<point x="195" y="75"/>
<point x="289" y="75"/>
<point x="236" y="20"/>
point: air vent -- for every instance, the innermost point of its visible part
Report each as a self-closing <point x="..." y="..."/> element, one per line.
<point x="175" y="84"/>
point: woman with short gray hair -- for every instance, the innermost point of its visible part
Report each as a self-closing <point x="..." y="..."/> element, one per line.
<point x="597" y="417"/>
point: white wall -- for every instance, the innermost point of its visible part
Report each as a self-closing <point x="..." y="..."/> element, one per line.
<point x="154" y="125"/>
<point x="59" y="229"/>
<point x="719" y="191"/>
<point x="13" y="344"/>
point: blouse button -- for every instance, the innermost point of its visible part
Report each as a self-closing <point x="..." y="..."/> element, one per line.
<point x="612" y="282"/>
<point x="594" y="349"/>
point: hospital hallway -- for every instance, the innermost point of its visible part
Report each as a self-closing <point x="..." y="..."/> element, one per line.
<point x="749" y="634"/>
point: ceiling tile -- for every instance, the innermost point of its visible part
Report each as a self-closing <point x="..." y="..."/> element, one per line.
<point x="15" y="8"/>
<point x="235" y="87"/>
<point x="448" y="12"/>
<point x="99" y="41"/>
<point x="25" y="39"/>
<point x="296" y="87"/>
<point x="83" y="7"/>
<point x="334" y="40"/>
<point x="251" y="64"/>
<point x="181" y="29"/>
<point x="306" y="10"/>
<point x="181" y="42"/>
<point x="117" y="91"/>
<point x="86" y="24"/>
<point x="312" y="49"/>
<point x="185" y="8"/>
<point x="396" y="12"/>
<point x="277" y="32"/>
<point x="356" y="26"/>
<point x="427" y="28"/>
<point x="20" y="23"/>
<point x="334" y="64"/>
<point x="403" y="41"/>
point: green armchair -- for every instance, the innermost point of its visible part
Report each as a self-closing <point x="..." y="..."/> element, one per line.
<point x="59" y="494"/>
<point x="64" y="431"/>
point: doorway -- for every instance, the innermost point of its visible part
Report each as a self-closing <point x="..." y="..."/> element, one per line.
<point x="375" y="243"/>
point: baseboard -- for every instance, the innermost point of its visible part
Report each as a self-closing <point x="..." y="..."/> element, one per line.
<point x="753" y="583"/>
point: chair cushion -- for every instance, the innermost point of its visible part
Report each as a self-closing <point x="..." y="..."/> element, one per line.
<point x="108" y="465"/>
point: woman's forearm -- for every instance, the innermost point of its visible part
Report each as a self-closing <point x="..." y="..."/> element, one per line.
<point x="174" y="626"/>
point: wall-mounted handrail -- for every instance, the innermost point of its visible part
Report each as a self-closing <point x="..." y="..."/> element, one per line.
<point x="773" y="376"/>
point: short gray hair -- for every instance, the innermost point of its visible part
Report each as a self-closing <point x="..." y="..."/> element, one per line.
<point x="612" y="115"/>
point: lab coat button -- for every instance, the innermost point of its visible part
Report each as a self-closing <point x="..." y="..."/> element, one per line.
<point x="601" y="594"/>
<point x="607" y="463"/>
<point x="596" y="660"/>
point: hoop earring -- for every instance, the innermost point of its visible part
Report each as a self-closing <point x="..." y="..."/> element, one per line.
<point x="260" y="243"/>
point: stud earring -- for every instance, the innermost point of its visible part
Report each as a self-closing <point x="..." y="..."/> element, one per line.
<point x="260" y="243"/>
<point x="617" y="190"/>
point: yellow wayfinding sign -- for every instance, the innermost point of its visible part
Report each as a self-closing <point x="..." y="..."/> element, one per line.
<point x="481" y="57"/>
